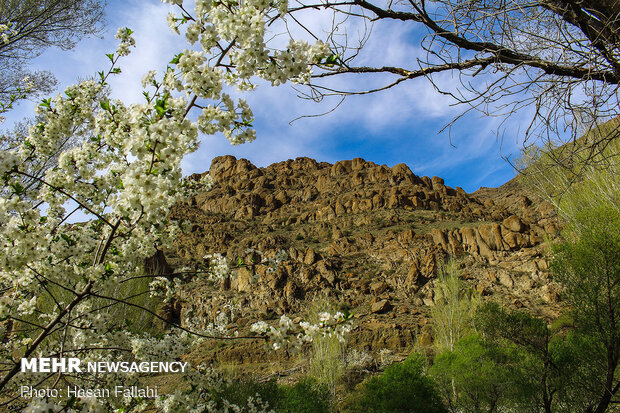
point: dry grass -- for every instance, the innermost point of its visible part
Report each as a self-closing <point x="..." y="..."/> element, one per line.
<point x="574" y="179"/>
<point x="327" y="355"/>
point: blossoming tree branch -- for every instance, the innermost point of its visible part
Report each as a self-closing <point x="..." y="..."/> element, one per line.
<point x="120" y="165"/>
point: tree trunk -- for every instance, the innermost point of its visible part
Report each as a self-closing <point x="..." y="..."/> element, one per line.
<point x="610" y="390"/>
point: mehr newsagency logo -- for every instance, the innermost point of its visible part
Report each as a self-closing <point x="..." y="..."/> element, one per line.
<point x="75" y="365"/>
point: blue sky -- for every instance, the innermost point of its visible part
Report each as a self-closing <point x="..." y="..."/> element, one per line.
<point x="400" y="125"/>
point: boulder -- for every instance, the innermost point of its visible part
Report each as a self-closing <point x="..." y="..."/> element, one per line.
<point x="437" y="183"/>
<point x="439" y="238"/>
<point x="470" y="244"/>
<point x="515" y="240"/>
<point x="310" y="257"/>
<point x="505" y="279"/>
<point x="378" y="287"/>
<point x="381" y="306"/>
<point x="491" y="234"/>
<point x="242" y="280"/>
<point x="514" y="223"/>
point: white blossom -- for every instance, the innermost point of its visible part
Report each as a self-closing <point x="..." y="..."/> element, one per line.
<point x="148" y="78"/>
<point x="124" y="174"/>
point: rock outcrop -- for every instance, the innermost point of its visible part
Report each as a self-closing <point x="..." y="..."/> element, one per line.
<point x="369" y="237"/>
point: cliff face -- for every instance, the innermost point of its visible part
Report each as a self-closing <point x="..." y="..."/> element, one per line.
<point x="368" y="237"/>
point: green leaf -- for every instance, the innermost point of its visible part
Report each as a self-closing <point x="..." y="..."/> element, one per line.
<point x="67" y="239"/>
<point x="176" y="59"/>
<point x="116" y="70"/>
<point x="18" y="188"/>
<point x="331" y="60"/>
<point x="96" y="225"/>
<point x="105" y="104"/>
<point x="110" y="56"/>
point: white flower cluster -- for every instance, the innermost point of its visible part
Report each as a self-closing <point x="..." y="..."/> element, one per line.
<point x="120" y="165"/>
<point x="149" y="78"/>
<point x="81" y="405"/>
<point x="273" y="263"/>
<point x="243" y="26"/>
<point x="291" y="336"/>
<point x="199" y="400"/>
<point x="192" y="187"/>
<point x="27" y="307"/>
<point x="292" y="63"/>
<point x="38" y="405"/>
<point x="218" y="265"/>
<point x="169" y="347"/>
<point x="8" y="161"/>
<point x="28" y="82"/>
<point x="6" y="32"/>
<point x="164" y="288"/>
<point x="124" y="35"/>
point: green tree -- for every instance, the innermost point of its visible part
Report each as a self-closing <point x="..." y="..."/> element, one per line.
<point x="588" y="266"/>
<point x="557" y="364"/>
<point x="453" y="308"/>
<point x="533" y="337"/>
<point x="585" y="190"/>
<point x="479" y="375"/>
<point x="403" y="387"/>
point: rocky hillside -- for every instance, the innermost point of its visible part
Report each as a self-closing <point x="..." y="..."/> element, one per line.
<point x="369" y="238"/>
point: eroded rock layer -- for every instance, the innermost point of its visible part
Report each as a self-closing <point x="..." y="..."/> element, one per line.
<point x="370" y="238"/>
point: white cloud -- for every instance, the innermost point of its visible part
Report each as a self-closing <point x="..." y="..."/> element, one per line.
<point x="391" y="118"/>
<point x="156" y="45"/>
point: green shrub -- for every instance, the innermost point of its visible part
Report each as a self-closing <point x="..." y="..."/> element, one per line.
<point x="587" y="265"/>
<point x="403" y="387"/>
<point x="479" y="375"/>
<point x="576" y="177"/>
<point x="238" y="392"/>
<point x="306" y="396"/>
